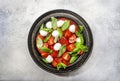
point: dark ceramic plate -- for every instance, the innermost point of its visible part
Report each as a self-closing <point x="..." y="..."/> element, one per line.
<point x="44" y="18"/>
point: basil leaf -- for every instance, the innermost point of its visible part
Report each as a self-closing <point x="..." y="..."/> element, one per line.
<point x="60" y="32"/>
<point x="77" y="44"/>
<point x="47" y="29"/>
<point x="41" y="27"/>
<point x="80" y="28"/>
<point x="61" y="65"/>
<point x="65" y="25"/>
<point x="84" y="48"/>
<point x="80" y="36"/>
<point x="73" y="59"/>
<point x="46" y="49"/>
<point x="54" y="22"/>
<point x="39" y="43"/>
<point x="62" y="50"/>
<point x="47" y="38"/>
<point x="45" y="60"/>
<point x="75" y="50"/>
<point x="56" y="38"/>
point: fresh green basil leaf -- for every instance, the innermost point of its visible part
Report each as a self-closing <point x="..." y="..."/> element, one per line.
<point x="47" y="38"/>
<point x="44" y="60"/>
<point x="65" y="25"/>
<point x="39" y="43"/>
<point x="54" y="22"/>
<point x="75" y="50"/>
<point x="73" y="59"/>
<point x="60" y="32"/>
<point x="62" y="50"/>
<point x="47" y="29"/>
<point x="61" y="65"/>
<point x="84" y="48"/>
<point x="41" y="27"/>
<point x="80" y="28"/>
<point x="46" y="49"/>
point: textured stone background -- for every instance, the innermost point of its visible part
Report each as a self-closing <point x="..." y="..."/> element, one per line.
<point x="17" y="17"/>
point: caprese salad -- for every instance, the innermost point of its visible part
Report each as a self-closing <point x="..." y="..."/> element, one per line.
<point x="60" y="42"/>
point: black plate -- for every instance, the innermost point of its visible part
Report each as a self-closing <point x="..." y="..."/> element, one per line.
<point x="44" y="18"/>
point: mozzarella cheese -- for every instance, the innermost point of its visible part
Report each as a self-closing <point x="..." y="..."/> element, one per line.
<point x="78" y="40"/>
<point x="48" y="24"/>
<point x="60" y="23"/>
<point x="57" y="46"/>
<point x="55" y="33"/>
<point x="72" y="28"/>
<point x="49" y="58"/>
<point x="43" y="33"/>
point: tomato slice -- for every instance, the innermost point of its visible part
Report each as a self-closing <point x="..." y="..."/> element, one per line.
<point x="65" y="62"/>
<point x="40" y="36"/>
<point x="44" y="54"/>
<point x="54" y="54"/>
<point x="72" y="39"/>
<point x="45" y="45"/>
<point x="67" y="33"/>
<point x="58" y="60"/>
<point x="70" y="47"/>
<point x="51" y="41"/>
<point x="63" y="41"/>
<point x="54" y="63"/>
<point x="66" y="56"/>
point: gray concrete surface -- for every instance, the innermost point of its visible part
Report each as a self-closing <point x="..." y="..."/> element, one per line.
<point x="17" y="17"/>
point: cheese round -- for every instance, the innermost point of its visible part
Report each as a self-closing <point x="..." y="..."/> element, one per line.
<point x="49" y="58"/>
<point x="55" y="33"/>
<point x="48" y="24"/>
<point x="43" y="33"/>
<point x="72" y="28"/>
<point x="57" y="46"/>
<point x="78" y="40"/>
<point x="60" y="23"/>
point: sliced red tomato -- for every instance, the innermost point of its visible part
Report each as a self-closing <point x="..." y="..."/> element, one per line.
<point x="45" y="45"/>
<point x="51" y="41"/>
<point x="58" y="60"/>
<point x="63" y="41"/>
<point x="81" y="52"/>
<point x="66" y="56"/>
<point x="76" y="28"/>
<point x="70" y="47"/>
<point x="54" y="63"/>
<point x="72" y="39"/>
<point x="51" y="47"/>
<point x="40" y="36"/>
<point x="65" y="62"/>
<point x="54" y="54"/>
<point x="44" y="54"/>
<point x="67" y="33"/>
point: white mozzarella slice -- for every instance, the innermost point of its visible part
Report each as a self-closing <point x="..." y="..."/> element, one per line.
<point x="48" y="24"/>
<point x="57" y="46"/>
<point x="43" y="33"/>
<point x="49" y="58"/>
<point x="55" y="33"/>
<point x="72" y="28"/>
<point x="60" y="23"/>
<point x="78" y="40"/>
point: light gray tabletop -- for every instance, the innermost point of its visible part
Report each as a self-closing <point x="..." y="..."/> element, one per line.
<point x="17" y="17"/>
